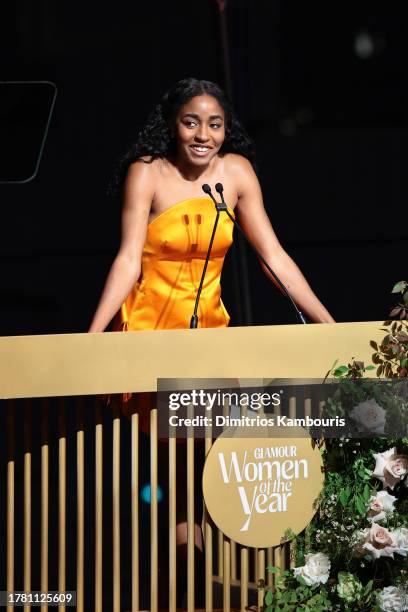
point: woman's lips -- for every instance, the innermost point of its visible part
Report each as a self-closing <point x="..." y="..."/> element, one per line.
<point x="200" y="151"/>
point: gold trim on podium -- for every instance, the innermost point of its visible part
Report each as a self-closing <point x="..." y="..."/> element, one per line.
<point x="93" y="364"/>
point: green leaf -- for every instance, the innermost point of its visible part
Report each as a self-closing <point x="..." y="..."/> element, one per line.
<point x="369" y="367"/>
<point x="360" y="506"/>
<point x="268" y="598"/>
<point x="364" y="473"/>
<point x="368" y="587"/>
<point x="344" y="496"/>
<point x="273" y="570"/>
<point x="399" y="287"/>
<point x="341" y="371"/>
<point x="366" y="493"/>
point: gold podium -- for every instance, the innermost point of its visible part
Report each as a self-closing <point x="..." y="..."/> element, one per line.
<point x="84" y="364"/>
<point x="80" y="365"/>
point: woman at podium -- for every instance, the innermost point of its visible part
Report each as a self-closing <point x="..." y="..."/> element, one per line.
<point x="191" y="138"/>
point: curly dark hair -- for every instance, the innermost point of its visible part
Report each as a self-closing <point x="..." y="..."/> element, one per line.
<point x="155" y="138"/>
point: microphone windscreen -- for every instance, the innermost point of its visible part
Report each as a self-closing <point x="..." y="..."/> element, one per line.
<point x="206" y="188"/>
<point x="219" y="188"/>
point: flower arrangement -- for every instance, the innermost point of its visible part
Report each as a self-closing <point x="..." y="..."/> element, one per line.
<point x="354" y="553"/>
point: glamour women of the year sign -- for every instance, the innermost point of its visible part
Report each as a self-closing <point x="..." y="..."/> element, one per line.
<point x="255" y="489"/>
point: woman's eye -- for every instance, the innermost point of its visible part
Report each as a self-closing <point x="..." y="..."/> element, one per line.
<point x="190" y="123"/>
<point x="215" y="125"/>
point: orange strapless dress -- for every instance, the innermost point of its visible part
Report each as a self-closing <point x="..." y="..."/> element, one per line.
<point x="172" y="263"/>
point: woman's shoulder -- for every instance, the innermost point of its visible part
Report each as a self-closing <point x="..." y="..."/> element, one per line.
<point x="142" y="176"/>
<point x="155" y="166"/>
<point x="143" y="167"/>
<point x="235" y="161"/>
<point x="240" y="173"/>
<point x="238" y="170"/>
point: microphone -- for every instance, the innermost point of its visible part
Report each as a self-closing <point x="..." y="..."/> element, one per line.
<point x="220" y="207"/>
<point x="220" y="189"/>
<point x="194" y="319"/>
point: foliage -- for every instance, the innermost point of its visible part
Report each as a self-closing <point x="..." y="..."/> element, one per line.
<point x="391" y="355"/>
<point x="357" y="579"/>
<point x="295" y="594"/>
<point x="342" y="515"/>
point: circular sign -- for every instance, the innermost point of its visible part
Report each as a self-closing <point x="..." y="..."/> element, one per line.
<point x="257" y="488"/>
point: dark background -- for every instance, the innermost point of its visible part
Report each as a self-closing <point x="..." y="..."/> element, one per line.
<point x="322" y="90"/>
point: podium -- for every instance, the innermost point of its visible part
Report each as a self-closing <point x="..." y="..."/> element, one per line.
<point x="78" y="365"/>
<point x="84" y="364"/>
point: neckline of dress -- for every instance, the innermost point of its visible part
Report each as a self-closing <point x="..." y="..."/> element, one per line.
<point x="184" y="202"/>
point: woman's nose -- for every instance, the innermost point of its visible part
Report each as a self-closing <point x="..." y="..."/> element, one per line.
<point x="202" y="134"/>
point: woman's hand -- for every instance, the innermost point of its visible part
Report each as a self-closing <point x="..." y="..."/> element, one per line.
<point x="257" y="226"/>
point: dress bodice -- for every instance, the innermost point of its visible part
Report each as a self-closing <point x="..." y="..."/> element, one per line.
<point x="173" y="258"/>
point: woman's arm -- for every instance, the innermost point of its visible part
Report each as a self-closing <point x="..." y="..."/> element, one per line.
<point x="257" y="226"/>
<point x="126" y="268"/>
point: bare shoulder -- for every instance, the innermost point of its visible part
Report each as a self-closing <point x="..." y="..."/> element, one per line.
<point x="142" y="172"/>
<point x="234" y="161"/>
<point x="143" y="167"/>
<point x="140" y="182"/>
<point x="242" y="173"/>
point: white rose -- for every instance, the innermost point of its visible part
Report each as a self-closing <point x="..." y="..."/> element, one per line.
<point x="393" y="599"/>
<point x="369" y="416"/>
<point x="380" y="505"/>
<point x="390" y="468"/>
<point x="401" y="538"/>
<point x="316" y="569"/>
<point x="378" y="542"/>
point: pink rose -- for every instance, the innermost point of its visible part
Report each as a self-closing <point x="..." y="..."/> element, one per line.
<point x="379" y="542"/>
<point x="390" y="468"/>
<point x="380" y="505"/>
<point x="397" y="467"/>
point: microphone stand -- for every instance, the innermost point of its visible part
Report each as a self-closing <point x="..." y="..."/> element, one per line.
<point x="194" y="318"/>
<point x="223" y="207"/>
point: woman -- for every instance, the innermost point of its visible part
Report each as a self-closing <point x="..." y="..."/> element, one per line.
<point x="191" y="138"/>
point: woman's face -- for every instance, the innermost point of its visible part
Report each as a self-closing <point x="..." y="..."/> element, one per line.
<point x="199" y="130"/>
